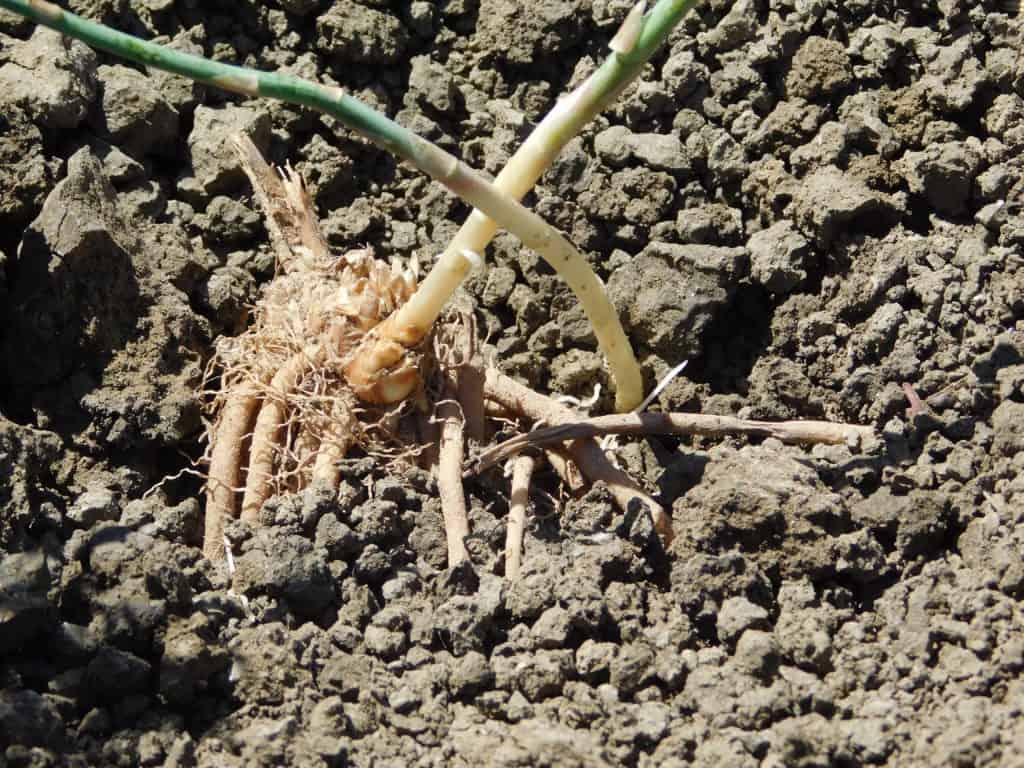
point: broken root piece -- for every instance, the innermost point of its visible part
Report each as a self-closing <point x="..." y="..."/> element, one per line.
<point x="519" y="499"/>
<point x="585" y="452"/>
<point x="449" y="479"/>
<point x="801" y="432"/>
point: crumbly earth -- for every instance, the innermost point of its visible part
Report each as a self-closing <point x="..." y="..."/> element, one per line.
<point x="815" y="202"/>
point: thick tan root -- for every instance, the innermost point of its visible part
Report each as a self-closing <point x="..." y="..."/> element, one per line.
<point x="585" y="452"/>
<point x="522" y="471"/>
<point x="333" y="446"/>
<point x="449" y="480"/>
<point x="225" y="475"/>
<point x="266" y="434"/>
<point x="305" y="447"/>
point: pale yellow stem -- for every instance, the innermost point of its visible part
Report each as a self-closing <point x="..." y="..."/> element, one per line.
<point x="415" y="318"/>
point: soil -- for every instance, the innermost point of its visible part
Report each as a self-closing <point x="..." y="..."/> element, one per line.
<point x="815" y="202"/>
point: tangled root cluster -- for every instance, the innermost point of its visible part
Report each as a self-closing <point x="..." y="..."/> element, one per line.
<point x="324" y="338"/>
<point x="283" y="413"/>
<point x="305" y="329"/>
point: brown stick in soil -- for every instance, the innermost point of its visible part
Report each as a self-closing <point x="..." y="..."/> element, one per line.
<point x="802" y="432"/>
<point x="471" y="382"/>
<point x="587" y="454"/>
<point x="449" y="477"/>
<point x="522" y="471"/>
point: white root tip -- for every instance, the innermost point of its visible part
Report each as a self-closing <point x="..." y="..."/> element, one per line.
<point x="575" y="402"/>
<point x="609" y="446"/>
<point x="625" y="39"/>
<point x="665" y="381"/>
<point x="229" y="557"/>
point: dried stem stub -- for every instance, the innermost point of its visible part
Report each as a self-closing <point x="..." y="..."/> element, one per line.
<point x="519" y="500"/>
